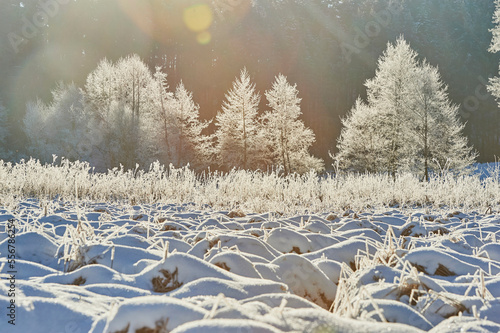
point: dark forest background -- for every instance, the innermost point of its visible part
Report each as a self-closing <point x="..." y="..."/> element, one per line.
<point x="329" y="48"/>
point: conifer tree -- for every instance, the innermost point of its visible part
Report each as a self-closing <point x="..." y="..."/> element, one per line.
<point x="191" y="145"/>
<point x="389" y="93"/>
<point x="434" y="123"/>
<point x="285" y="134"/>
<point x="408" y="122"/>
<point x="236" y="133"/>
<point x="361" y="140"/>
<point x="494" y="86"/>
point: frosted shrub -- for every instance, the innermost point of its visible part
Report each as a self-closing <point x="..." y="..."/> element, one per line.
<point x="252" y="191"/>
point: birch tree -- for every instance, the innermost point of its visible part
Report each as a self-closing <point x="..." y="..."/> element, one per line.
<point x="158" y="125"/>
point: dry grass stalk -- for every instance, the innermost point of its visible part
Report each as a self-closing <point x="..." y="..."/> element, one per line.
<point x="167" y="283"/>
<point x="160" y="327"/>
<point x="79" y="281"/>
<point x="223" y="265"/>
<point x="236" y="213"/>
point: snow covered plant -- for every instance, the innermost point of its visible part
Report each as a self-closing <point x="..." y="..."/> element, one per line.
<point x="249" y="191"/>
<point x="76" y="244"/>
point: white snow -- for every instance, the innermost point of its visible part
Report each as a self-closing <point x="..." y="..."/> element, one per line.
<point x="120" y="268"/>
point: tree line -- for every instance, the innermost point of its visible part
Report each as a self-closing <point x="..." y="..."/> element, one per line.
<point x="403" y="121"/>
<point x="126" y="115"/>
<point x="328" y="47"/>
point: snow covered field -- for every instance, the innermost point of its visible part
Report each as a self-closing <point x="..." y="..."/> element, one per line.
<point x="90" y="267"/>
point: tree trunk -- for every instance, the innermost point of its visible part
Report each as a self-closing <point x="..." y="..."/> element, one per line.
<point x="426" y="145"/>
<point x="283" y="155"/>
<point x="165" y="123"/>
<point x="244" y="140"/>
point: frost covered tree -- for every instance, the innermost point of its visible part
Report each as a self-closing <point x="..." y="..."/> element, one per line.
<point x="389" y="93"/>
<point x="61" y="127"/>
<point x="134" y="79"/>
<point x="237" y="126"/>
<point x="408" y="122"/>
<point x="34" y="121"/>
<point x="361" y="140"/>
<point x="102" y="96"/>
<point x="125" y="115"/>
<point x="158" y="125"/>
<point x="495" y="42"/>
<point x="191" y="145"/>
<point x="118" y="95"/>
<point x="172" y="129"/>
<point x="285" y="134"/>
<point x="494" y="86"/>
<point x="434" y="123"/>
<point x="100" y="88"/>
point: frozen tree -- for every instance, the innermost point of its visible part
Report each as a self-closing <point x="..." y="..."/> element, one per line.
<point x="125" y="115"/>
<point x="158" y="125"/>
<point x="388" y="92"/>
<point x="285" y="134"/>
<point x="101" y="95"/>
<point x="237" y="126"/>
<point x="100" y="88"/>
<point x="361" y="141"/>
<point x="61" y="127"/>
<point x="36" y="125"/>
<point x="133" y="81"/>
<point x="494" y="86"/>
<point x="495" y="42"/>
<point x="70" y="123"/>
<point x="171" y="128"/>
<point x="191" y="145"/>
<point x="408" y="123"/>
<point x="119" y="97"/>
<point x="126" y="82"/>
<point x="435" y="125"/>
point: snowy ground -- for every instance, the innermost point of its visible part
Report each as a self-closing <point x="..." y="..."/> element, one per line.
<point x="117" y="268"/>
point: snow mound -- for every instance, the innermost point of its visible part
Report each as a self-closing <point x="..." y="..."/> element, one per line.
<point x="118" y="268"/>
<point x="153" y="312"/>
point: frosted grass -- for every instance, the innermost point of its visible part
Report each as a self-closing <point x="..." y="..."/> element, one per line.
<point x="251" y="191"/>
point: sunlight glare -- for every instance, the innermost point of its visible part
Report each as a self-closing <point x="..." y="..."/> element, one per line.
<point x="198" y="18"/>
<point x="204" y="37"/>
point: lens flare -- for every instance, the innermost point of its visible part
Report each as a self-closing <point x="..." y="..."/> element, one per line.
<point x="198" y="18"/>
<point x="204" y="37"/>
